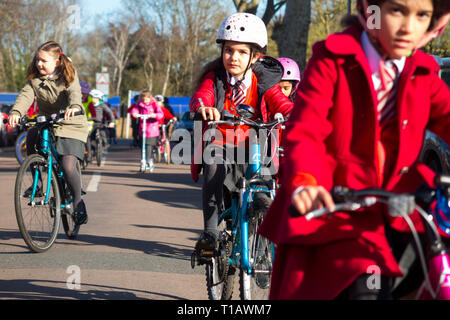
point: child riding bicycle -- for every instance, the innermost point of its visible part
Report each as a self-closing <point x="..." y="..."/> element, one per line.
<point x="53" y="82"/>
<point x="99" y="112"/>
<point x="240" y="75"/>
<point x="362" y="107"/>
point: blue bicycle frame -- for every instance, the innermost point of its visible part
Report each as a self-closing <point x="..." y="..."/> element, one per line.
<point x="50" y="150"/>
<point x="238" y="212"/>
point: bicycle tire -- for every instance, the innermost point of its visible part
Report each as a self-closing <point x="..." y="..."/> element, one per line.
<point x="99" y="151"/>
<point x="167" y="152"/>
<point x="219" y="274"/>
<point x="256" y="286"/>
<point x="157" y="153"/>
<point x="70" y="227"/>
<point x="21" y="147"/>
<point x="37" y="239"/>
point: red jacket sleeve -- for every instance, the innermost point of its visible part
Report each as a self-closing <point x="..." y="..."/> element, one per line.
<point x="204" y="91"/>
<point x="308" y="125"/>
<point x="277" y="102"/>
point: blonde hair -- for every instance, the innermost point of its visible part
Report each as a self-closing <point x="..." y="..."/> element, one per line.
<point x="66" y="67"/>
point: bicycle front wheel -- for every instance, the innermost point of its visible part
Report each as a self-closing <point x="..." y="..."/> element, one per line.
<point x="21" y="147"/>
<point x="256" y="286"/>
<point x="38" y="219"/>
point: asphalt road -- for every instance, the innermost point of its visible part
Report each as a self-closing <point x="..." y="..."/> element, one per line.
<point x="136" y="245"/>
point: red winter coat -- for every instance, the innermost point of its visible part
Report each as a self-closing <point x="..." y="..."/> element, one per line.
<point x="331" y="138"/>
<point x="268" y="72"/>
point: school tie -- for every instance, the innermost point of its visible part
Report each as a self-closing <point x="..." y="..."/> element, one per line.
<point x="386" y="107"/>
<point x="238" y="93"/>
<point x="387" y="93"/>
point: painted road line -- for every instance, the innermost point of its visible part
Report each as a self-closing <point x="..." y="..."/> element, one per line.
<point x="93" y="184"/>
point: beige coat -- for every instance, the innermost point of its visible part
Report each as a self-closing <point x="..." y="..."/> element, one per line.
<point x="51" y="97"/>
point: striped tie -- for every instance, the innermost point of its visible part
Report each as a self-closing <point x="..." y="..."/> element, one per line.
<point x="387" y="93"/>
<point x="238" y="94"/>
<point x="386" y="107"/>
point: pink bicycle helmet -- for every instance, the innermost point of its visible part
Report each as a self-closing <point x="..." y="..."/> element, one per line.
<point x="291" y="70"/>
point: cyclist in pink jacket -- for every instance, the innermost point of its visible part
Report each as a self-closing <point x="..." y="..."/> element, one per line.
<point x="148" y="105"/>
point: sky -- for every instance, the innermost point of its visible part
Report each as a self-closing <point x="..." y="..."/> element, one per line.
<point x="92" y="8"/>
<point x="99" y="6"/>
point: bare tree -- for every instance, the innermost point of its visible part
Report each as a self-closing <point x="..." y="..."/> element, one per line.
<point x="290" y="32"/>
<point x="120" y="45"/>
<point x="24" y="25"/>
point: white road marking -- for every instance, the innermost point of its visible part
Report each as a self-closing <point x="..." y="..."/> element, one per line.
<point x="95" y="181"/>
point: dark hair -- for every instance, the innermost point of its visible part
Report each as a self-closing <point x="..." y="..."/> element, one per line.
<point x="66" y="67"/>
<point x="441" y="7"/>
<point x="217" y="64"/>
<point x="145" y="94"/>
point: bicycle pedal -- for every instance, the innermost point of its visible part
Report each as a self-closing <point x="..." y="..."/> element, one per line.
<point x="207" y="253"/>
<point x="198" y="260"/>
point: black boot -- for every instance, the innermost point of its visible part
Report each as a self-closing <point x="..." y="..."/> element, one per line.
<point x="80" y="214"/>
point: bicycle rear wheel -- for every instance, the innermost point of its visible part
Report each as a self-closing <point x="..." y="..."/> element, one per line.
<point x="219" y="272"/>
<point x="67" y="215"/>
<point x="256" y="286"/>
<point x="38" y="221"/>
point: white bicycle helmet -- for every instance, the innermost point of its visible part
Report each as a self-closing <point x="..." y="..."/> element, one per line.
<point x="95" y="93"/>
<point x="243" y="27"/>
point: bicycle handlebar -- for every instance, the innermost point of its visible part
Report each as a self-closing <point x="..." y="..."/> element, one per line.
<point x="347" y="199"/>
<point x="238" y="121"/>
<point x="51" y="119"/>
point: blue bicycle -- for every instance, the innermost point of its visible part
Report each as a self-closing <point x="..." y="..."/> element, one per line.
<point x="240" y="247"/>
<point x="42" y="197"/>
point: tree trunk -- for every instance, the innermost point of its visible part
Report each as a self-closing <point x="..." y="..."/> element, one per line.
<point x="169" y="64"/>
<point x="291" y="35"/>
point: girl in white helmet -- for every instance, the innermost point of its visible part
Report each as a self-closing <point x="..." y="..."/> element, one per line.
<point x="240" y="75"/>
<point x="365" y="100"/>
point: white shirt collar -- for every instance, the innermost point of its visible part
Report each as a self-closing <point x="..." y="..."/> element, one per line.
<point x="51" y="76"/>
<point x="373" y="57"/>
<point x="247" y="82"/>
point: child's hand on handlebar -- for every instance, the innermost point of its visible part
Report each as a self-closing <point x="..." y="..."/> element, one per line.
<point x="308" y="198"/>
<point x="13" y="120"/>
<point x="70" y="113"/>
<point x="209" y="113"/>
